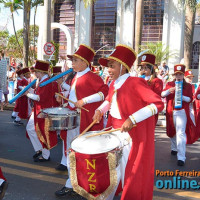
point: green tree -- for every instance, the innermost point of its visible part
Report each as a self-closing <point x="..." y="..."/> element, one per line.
<point x="12" y="48"/>
<point x="4" y="35"/>
<point x="160" y="50"/>
<point x="190" y="11"/>
<point x="13" y="5"/>
<point x="138" y="24"/>
<point x="35" y="5"/>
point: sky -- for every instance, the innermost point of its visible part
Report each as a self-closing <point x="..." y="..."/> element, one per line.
<point x="6" y="20"/>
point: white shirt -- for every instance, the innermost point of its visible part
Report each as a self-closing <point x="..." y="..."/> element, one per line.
<point x="114" y="110"/>
<point x="72" y="94"/>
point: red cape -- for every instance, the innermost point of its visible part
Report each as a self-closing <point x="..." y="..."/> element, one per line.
<point x="47" y="100"/>
<point x="190" y="127"/>
<point x="23" y="102"/>
<point x="133" y="95"/>
<point x="87" y="85"/>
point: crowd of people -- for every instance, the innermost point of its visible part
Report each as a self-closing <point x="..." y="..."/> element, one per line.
<point x="110" y="98"/>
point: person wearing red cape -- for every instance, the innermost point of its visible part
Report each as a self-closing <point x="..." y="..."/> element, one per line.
<point x="37" y="128"/>
<point x="24" y="103"/>
<point x="147" y="63"/>
<point x="132" y="104"/>
<point x="180" y="127"/>
<point x="3" y="184"/>
<point x="194" y="105"/>
<point x="87" y="89"/>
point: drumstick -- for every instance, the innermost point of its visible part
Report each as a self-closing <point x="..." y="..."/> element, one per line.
<point x="88" y="127"/>
<point x="104" y="132"/>
<point x="70" y="101"/>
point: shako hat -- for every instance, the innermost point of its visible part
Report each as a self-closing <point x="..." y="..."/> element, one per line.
<point x="189" y="73"/>
<point x="179" y="68"/>
<point x="85" y="53"/>
<point x="148" y="58"/>
<point x="123" y="54"/>
<point x="42" y="66"/>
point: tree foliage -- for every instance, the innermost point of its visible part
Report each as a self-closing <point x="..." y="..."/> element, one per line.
<point x="161" y="51"/>
<point x="12" y="47"/>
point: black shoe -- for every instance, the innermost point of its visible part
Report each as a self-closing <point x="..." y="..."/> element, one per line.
<point x="180" y="163"/>
<point x="174" y="153"/>
<point x="18" y="123"/>
<point x="61" y="167"/>
<point x="13" y="117"/>
<point x="38" y="153"/>
<point x="41" y="159"/>
<point x="64" y="191"/>
<point x="3" y="188"/>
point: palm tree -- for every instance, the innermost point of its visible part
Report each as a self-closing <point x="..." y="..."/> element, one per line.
<point x="13" y="5"/>
<point x="190" y="10"/>
<point x="35" y="5"/>
<point x="161" y="51"/>
<point x="138" y="24"/>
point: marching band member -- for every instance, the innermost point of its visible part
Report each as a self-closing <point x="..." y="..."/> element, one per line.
<point x="195" y="103"/>
<point x="88" y="90"/>
<point x="180" y="127"/>
<point x="131" y="103"/>
<point x="16" y="109"/>
<point x="194" y="106"/>
<point x="63" y="165"/>
<point x="197" y="96"/>
<point x="24" y="103"/>
<point x="44" y="97"/>
<point x="147" y="64"/>
<point x="3" y="184"/>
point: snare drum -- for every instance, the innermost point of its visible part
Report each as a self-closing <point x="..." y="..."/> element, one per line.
<point x="61" y="118"/>
<point x="93" y="163"/>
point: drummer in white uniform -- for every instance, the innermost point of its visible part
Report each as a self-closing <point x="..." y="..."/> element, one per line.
<point x="88" y="91"/>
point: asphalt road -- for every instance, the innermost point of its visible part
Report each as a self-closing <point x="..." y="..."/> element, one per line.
<point x="38" y="181"/>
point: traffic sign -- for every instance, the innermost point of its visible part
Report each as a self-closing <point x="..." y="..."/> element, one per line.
<point x="49" y="48"/>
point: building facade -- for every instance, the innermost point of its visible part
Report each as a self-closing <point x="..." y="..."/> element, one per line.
<point x="110" y="22"/>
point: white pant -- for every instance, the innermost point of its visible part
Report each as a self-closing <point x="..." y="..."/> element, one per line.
<point x="178" y="142"/>
<point x="14" y="114"/>
<point x="64" y="158"/>
<point x="70" y="136"/>
<point x="126" y="144"/>
<point x="1" y="181"/>
<point x="30" y="128"/>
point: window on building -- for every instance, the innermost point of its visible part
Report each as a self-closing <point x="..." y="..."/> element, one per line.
<point x="103" y="27"/>
<point x="153" y="20"/>
<point x="195" y="55"/>
<point x="65" y="14"/>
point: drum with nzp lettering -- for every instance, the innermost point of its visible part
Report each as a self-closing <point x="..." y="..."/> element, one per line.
<point x="93" y="163"/>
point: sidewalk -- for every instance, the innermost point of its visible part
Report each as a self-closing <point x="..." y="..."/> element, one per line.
<point x="9" y="106"/>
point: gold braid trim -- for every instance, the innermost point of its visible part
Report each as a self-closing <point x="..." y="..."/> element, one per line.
<point x="123" y="45"/>
<point x="39" y="134"/>
<point x="46" y="132"/>
<point x="121" y="62"/>
<point x="151" y="109"/>
<point x="101" y="95"/>
<point x="113" y="178"/>
<point x="82" y="58"/>
<point x="88" y="48"/>
<point x="133" y="118"/>
<point x="154" y="109"/>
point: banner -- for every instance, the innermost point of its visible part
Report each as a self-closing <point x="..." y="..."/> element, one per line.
<point x="93" y="176"/>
